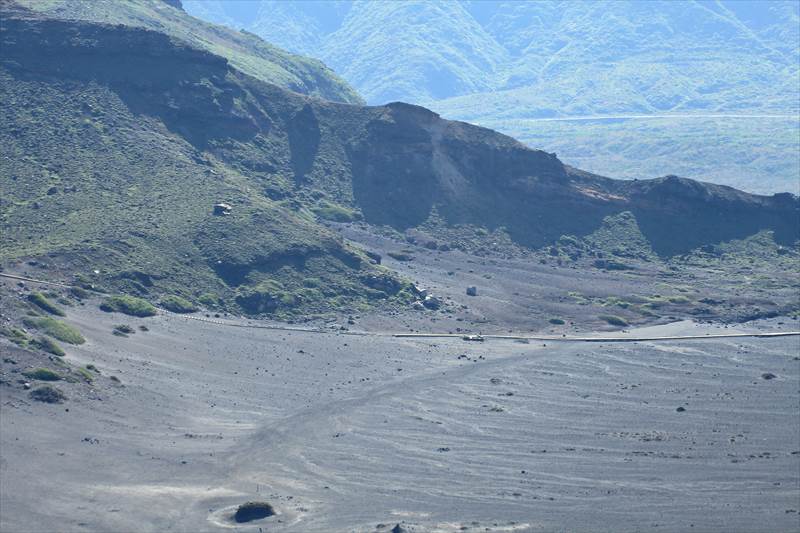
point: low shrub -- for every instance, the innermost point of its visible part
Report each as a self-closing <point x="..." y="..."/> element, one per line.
<point x="129" y="305"/>
<point x="17" y="336"/>
<point x="123" y="330"/>
<point x="56" y="329"/>
<point x="176" y="304"/>
<point x="42" y="374"/>
<point x="79" y="293"/>
<point x="48" y="394"/>
<point x="48" y="345"/>
<point x="41" y="301"/>
<point x="614" y="320"/>
<point x="86" y="375"/>
<point x="335" y="213"/>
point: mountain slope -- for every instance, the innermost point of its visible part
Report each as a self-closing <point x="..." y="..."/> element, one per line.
<point x="246" y="52"/>
<point x="121" y="140"/>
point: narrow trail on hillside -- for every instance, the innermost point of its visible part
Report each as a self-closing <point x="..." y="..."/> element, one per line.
<point x="466" y="336"/>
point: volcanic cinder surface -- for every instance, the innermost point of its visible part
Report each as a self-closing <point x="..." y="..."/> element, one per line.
<point x="344" y="432"/>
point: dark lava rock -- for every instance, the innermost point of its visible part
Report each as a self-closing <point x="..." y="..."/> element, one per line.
<point x="768" y="375"/>
<point x="399" y="529"/>
<point x="253" y="511"/>
<point x="472" y="291"/>
<point x="680" y="409"/>
<point x="48" y="394"/>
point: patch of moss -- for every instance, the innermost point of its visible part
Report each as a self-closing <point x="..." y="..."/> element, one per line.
<point x="41" y="301"/>
<point x="129" y="305"/>
<point x="56" y="329"/>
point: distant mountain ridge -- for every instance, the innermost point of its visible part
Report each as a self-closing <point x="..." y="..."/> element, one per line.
<point x="451" y="49"/>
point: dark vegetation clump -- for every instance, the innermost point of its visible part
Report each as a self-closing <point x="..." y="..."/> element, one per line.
<point x="253" y="511"/>
<point x="123" y="330"/>
<point x="176" y="304"/>
<point x="42" y="374"/>
<point x="614" y="320"/>
<point x="48" y="394"/>
<point x="41" y="301"/>
<point x="129" y="305"/>
<point x="79" y="293"/>
<point x="557" y="321"/>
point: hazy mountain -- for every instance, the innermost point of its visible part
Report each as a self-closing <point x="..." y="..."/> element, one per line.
<point x="509" y="64"/>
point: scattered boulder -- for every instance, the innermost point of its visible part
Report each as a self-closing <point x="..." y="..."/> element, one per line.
<point x="419" y="291"/>
<point x="680" y="409"/>
<point x="768" y="375"/>
<point x="222" y="209"/>
<point x="431" y="302"/>
<point x="253" y="511"/>
<point x="472" y="291"/>
<point x="375" y="257"/>
<point x="418" y="306"/>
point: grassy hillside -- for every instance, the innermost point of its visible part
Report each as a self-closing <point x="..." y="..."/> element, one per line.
<point x="246" y="51"/>
<point x="108" y="177"/>
<point x="506" y="65"/>
<point x="121" y="140"/>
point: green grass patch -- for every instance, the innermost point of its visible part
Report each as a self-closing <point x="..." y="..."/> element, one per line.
<point x="86" y="375"/>
<point x="79" y="293"/>
<point x="41" y="301"/>
<point x="129" y="305"/>
<point x="176" y="304"/>
<point x="17" y="336"/>
<point x="56" y="329"/>
<point x="48" y="345"/>
<point x="209" y="299"/>
<point x="334" y="212"/>
<point x="42" y="374"/>
<point x="614" y="320"/>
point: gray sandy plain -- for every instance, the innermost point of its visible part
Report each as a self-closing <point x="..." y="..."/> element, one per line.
<point x="363" y="432"/>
